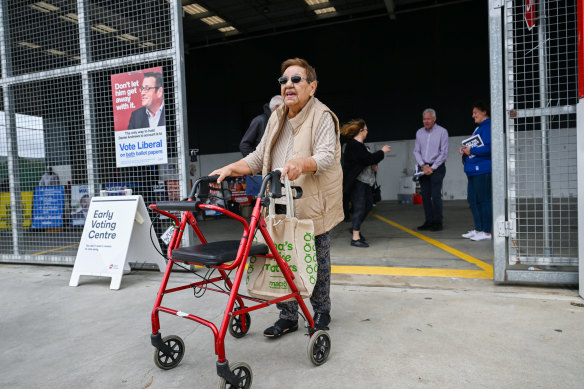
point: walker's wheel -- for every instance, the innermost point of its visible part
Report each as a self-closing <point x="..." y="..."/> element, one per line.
<point x="168" y="362"/>
<point x="236" y="327"/>
<point x="319" y="347"/>
<point x="241" y="370"/>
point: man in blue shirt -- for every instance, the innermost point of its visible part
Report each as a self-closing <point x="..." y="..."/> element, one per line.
<point x="431" y="151"/>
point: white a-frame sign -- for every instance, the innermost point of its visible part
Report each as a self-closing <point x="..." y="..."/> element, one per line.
<point x="116" y="232"/>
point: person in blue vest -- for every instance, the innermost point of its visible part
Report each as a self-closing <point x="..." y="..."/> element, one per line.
<point x="477" y="166"/>
<point x="152" y="112"/>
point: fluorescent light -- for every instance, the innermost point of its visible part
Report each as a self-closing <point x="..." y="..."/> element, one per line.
<point x="128" y="37"/>
<point x="78" y="58"/>
<point x="44" y="7"/>
<point x="70" y="18"/>
<point x="28" y="44"/>
<point x="103" y="28"/>
<point x="146" y="44"/>
<point x="56" y="52"/>
<point x="194" y="9"/>
<point x="315" y="2"/>
<point x="212" y="20"/>
<point x="227" y="29"/>
<point x="325" y="10"/>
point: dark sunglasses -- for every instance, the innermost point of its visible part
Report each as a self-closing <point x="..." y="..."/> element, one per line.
<point x="295" y="79"/>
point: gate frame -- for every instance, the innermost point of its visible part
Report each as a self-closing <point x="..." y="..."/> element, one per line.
<point x="503" y="272"/>
<point x="580" y="144"/>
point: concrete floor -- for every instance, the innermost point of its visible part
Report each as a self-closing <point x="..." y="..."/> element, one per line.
<point x="443" y="333"/>
<point x="390" y="329"/>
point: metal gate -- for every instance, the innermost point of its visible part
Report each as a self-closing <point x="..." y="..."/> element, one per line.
<point x="537" y="197"/>
<point x="57" y="141"/>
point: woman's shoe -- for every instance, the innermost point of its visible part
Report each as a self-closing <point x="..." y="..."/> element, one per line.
<point x="281" y="327"/>
<point x="362" y="238"/>
<point x="481" y="236"/>
<point x="321" y="321"/>
<point x="358" y="243"/>
<point x="470" y="234"/>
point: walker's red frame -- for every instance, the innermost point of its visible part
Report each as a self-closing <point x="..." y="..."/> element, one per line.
<point x="256" y="222"/>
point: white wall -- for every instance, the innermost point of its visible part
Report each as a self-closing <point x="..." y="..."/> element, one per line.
<point x="525" y="166"/>
<point x="396" y="168"/>
<point x="209" y="162"/>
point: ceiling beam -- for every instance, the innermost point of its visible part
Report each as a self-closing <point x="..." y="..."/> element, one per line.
<point x="390" y="5"/>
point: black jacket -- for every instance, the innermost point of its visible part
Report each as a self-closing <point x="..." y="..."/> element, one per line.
<point x="356" y="158"/>
<point x="255" y="132"/>
<point x="139" y="119"/>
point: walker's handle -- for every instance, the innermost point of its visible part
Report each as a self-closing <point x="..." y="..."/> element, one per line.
<point x="189" y="206"/>
<point x="210" y="178"/>
<point x="201" y="180"/>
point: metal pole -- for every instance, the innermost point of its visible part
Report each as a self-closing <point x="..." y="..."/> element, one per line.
<point x="87" y="95"/>
<point x="11" y="134"/>
<point x="497" y="138"/>
<point x="181" y="99"/>
<point x="580" y="146"/>
<point x="542" y="56"/>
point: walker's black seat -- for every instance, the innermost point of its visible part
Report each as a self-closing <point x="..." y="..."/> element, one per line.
<point x="214" y="253"/>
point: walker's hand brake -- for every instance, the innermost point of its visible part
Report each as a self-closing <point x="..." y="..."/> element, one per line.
<point x="276" y="184"/>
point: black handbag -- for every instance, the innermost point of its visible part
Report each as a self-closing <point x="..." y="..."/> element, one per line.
<point x="376" y="189"/>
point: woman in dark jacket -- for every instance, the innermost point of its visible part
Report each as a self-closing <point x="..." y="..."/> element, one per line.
<point x="359" y="175"/>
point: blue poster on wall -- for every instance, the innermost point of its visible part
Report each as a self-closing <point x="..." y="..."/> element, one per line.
<point x="47" y="208"/>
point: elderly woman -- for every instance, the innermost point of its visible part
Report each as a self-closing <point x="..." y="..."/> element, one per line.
<point x="359" y="175"/>
<point x="302" y="138"/>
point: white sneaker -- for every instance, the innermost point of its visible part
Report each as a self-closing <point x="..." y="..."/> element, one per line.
<point x="469" y="234"/>
<point x="481" y="236"/>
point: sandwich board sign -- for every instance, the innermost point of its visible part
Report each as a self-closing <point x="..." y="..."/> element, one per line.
<point x="116" y="232"/>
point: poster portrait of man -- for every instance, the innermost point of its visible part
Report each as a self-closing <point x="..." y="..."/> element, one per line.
<point x="151" y="114"/>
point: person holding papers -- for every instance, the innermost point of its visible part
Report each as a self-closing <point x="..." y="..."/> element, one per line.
<point x="476" y="155"/>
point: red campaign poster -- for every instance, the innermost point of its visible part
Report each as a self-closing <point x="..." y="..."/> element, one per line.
<point x="139" y="117"/>
<point x="126" y="96"/>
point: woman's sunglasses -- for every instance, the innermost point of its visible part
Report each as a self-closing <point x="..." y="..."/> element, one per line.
<point x="295" y="79"/>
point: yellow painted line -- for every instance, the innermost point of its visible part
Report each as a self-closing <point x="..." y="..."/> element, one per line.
<point x="487" y="271"/>
<point x="455" y="252"/>
<point x="411" y="272"/>
<point x="57" y="249"/>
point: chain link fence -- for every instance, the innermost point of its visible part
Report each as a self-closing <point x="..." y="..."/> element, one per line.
<point x="66" y="116"/>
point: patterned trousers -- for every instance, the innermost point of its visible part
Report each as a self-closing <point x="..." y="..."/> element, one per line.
<point x="320" y="300"/>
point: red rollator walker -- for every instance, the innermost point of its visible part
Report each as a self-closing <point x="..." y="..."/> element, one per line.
<point x="225" y="256"/>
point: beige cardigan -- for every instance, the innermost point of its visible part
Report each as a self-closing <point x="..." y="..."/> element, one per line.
<point x="322" y="198"/>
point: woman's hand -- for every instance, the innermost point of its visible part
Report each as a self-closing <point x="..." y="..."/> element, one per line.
<point x="386" y="148"/>
<point x="223" y="172"/>
<point x="238" y="168"/>
<point x="292" y="168"/>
